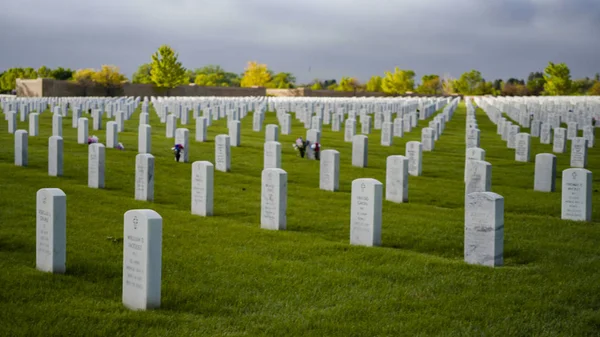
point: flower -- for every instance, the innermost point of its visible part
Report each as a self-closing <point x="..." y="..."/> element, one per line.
<point x="121" y="147"/>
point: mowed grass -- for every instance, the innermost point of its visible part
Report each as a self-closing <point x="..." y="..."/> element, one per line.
<point x="224" y="276"/>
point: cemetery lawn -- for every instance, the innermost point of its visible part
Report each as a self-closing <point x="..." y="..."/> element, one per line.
<point x="224" y="276"/>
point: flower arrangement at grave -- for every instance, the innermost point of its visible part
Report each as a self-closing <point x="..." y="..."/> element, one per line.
<point x="92" y="140"/>
<point x="316" y="147"/>
<point x="121" y="147"/>
<point x="300" y="146"/>
<point x="177" y="151"/>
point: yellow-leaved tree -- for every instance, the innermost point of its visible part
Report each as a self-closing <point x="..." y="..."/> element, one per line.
<point x="256" y="75"/>
<point x="398" y="82"/>
<point x="110" y="78"/>
<point x="85" y="78"/>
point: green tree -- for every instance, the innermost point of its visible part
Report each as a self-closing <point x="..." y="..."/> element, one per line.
<point x="62" y="74"/>
<point x="110" y="78"/>
<point x="472" y="83"/>
<point x="44" y="72"/>
<point x="347" y="84"/>
<point x="316" y="85"/>
<point x="283" y="81"/>
<point x="558" y="79"/>
<point x="581" y="86"/>
<point x="166" y="71"/>
<point x="374" y="84"/>
<point x="595" y="89"/>
<point x="256" y="75"/>
<point x="143" y="74"/>
<point x="430" y="85"/>
<point x="398" y="82"/>
<point x="8" y="80"/>
<point x="535" y="83"/>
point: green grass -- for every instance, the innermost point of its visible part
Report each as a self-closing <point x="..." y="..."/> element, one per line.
<point x="224" y="276"/>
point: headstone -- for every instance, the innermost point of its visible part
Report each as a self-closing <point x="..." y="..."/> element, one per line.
<point x="34" y="125"/>
<point x="560" y="140"/>
<point x="82" y="131"/>
<point x="144" y="177"/>
<point x="366" y="125"/>
<point x="120" y="120"/>
<point x="57" y="125"/>
<point x="365" y="212"/>
<point x="349" y="130"/>
<point x="142" y="259"/>
<point x="473" y="138"/>
<point x="222" y="153"/>
<point x="55" y="156"/>
<point x="182" y="137"/>
<point x="536" y="128"/>
<point x="545" y="172"/>
<point x="112" y="135"/>
<point x="576" y="195"/>
<point x="272" y="133"/>
<point x="360" y="150"/>
<point x="396" y="179"/>
<point x="398" y="127"/>
<point x="329" y="175"/>
<point x="97" y="120"/>
<point x="201" y="126"/>
<point x="21" y="147"/>
<point x="546" y="133"/>
<point x="473" y="153"/>
<point x="144" y="138"/>
<point x="512" y="136"/>
<point x="387" y="134"/>
<point x="484" y="229"/>
<point x="144" y="118"/>
<point x="234" y="133"/>
<point x="202" y="188"/>
<point x="523" y="147"/>
<point x="571" y="130"/>
<point x="171" y="126"/>
<point x="51" y="228"/>
<point x="414" y="153"/>
<point x="427" y="139"/>
<point x="479" y="177"/>
<point x="272" y="154"/>
<point x="273" y="199"/>
<point x="589" y="135"/>
<point x="11" y="117"/>
<point x="579" y="152"/>
<point x="96" y="165"/>
<point x="286" y="127"/>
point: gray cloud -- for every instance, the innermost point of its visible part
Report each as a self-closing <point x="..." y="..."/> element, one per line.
<point x="332" y="38"/>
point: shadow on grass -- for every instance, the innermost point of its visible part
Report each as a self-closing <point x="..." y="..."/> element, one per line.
<point x="13" y="245"/>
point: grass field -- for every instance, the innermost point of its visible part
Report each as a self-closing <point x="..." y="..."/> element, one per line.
<point x="224" y="276"/>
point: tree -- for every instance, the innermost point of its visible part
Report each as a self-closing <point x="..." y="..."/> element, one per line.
<point x="581" y="86"/>
<point x="166" y="71"/>
<point x="535" y="83"/>
<point x="374" y="84"/>
<point x="595" y="90"/>
<point x="283" y="81"/>
<point x="143" y="74"/>
<point x="347" y="84"/>
<point x="472" y="83"/>
<point x="110" y="78"/>
<point x="256" y="75"/>
<point x="514" y="89"/>
<point x="8" y="80"/>
<point x="558" y="79"/>
<point x="399" y="82"/>
<point x="85" y="78"/>
<point x="44" y="72"/>
<point x="430" y="85"/>
<point x="317" y="85"/>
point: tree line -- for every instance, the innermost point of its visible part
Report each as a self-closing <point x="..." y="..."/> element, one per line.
<point x="165" y="71"/>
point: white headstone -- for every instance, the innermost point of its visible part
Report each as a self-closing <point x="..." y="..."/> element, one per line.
<point x="21" y="147"/>
<point x="144" y="118"/>
<point x="82" y="131"/>
<point x="272" y="133"/>
<point x="51" y="228"/>
<point x="144" y="177"/>
<point x="55" y="156"/>
<point x="576" y="195"/>
<point x="398" y="127"/>
<point x="182" y="137"/>
<point x="523" y="147"/>
<point x="272" y="154"/>
<point x="201" y="125"/>
<point x="571" y="130"/>
<point x="579" y="152"/>
<point x="273" y="199"/>
<point x="144" y="138"/>
<point x="349" y="130"/>
<point x="546" y="133"/>
<point x="365" y="212"/>
<point x="472" y="138"/>
<point x="97" y="120"/>
<point x="202" y="188"/>
<point x="234" y="133"/>
<point x="96" y="165"/>
<point x="171" y="126"/>
<point x="112" y="135"/>
<point x="222" y="153"/>
<point x="414" y="153"/>
<point x="396" y="179"/>
<point x="484" y="229"/>
<point x="512" y="136"/>
<point x="34" y="124"/>
<point x="560" y="140"/>
<point x="589" y="135"/>
<point x="545" y="172"/>
<point x="11" y="117"/>
<point x="286" y="124"/>
<point x="57" y="125"/>
<point x="329" y="176"/>
<point x="387" y="134"/>
<point x="360" y="150"/>
<point x="142" y="259"/>
<point x="479" y="177"/>
<point x="427" y="139"/>
<point x="120" y="120"/>
<point x="473" y="153"/>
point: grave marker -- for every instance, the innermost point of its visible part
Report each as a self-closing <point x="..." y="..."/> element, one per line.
<point x="96" y="165"/>
<point x="365" y="212"/>
<point x="484" y="229"/>
<point x="51" y="228"/>
<point x="396" y="179"/>
<point x="202" y="188"/>
<point x="576" y="195"/>
<point x="273" y="199"/>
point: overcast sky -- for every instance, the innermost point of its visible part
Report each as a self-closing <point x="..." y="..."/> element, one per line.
<point x="310" y="38"/>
